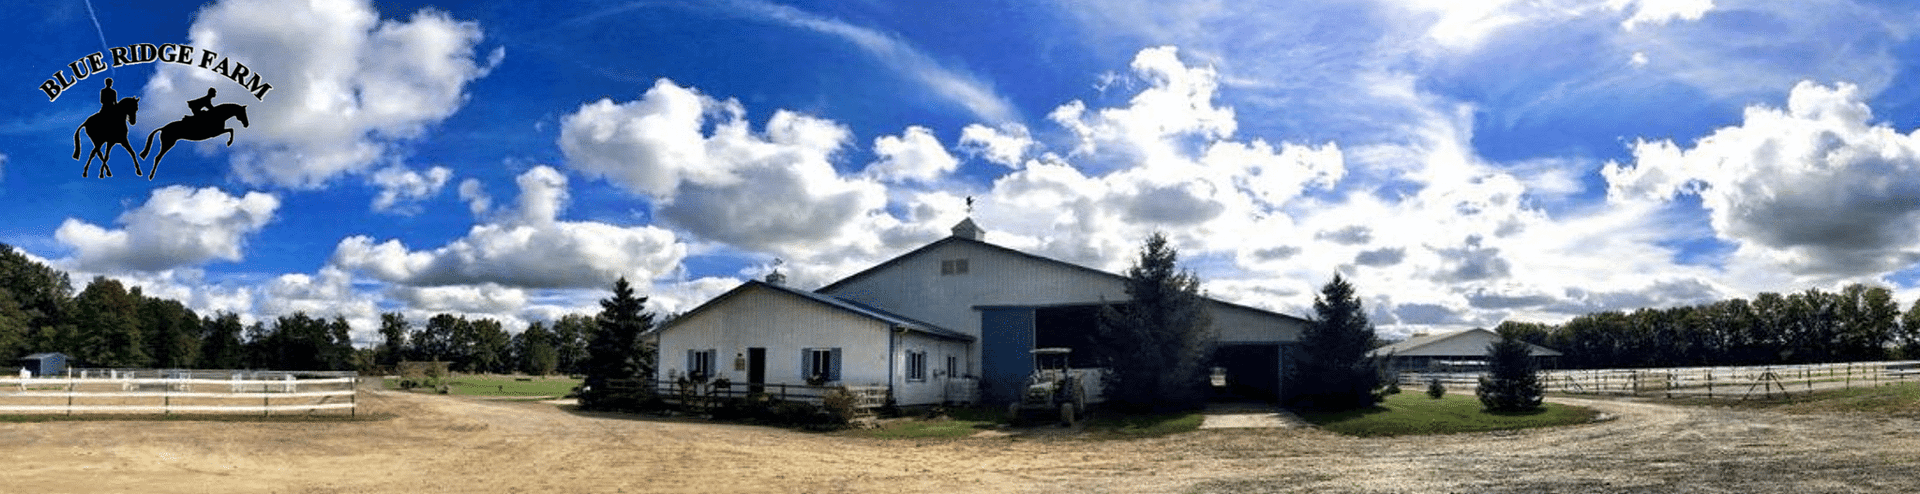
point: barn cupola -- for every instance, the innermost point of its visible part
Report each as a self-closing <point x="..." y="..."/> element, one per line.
<point x="968" y="230"/>
<point x="777" y="278"/>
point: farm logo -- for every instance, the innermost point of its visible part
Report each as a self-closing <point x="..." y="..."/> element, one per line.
<point x="108" y="127"/>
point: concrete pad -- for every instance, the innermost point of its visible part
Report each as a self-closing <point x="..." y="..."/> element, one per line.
<point x="1232" y="416"/>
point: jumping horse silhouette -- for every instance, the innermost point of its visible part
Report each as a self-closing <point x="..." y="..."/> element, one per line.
<point x="207" y="125"/>
<point x="108" y="126"/>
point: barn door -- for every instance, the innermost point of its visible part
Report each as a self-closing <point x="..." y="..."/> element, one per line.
<point x="756" y="369"/>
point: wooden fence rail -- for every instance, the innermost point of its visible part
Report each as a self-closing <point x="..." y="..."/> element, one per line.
<point x="1704" y="382"/>
<point x="141" y="395"/>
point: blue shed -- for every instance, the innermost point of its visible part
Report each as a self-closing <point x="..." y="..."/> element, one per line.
<point x="45" y="364"/>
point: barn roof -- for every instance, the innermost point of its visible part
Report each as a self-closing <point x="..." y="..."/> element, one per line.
<point x="1468" y="343"/>
<point x="836" y="303"/>
<point x="38" y="356"/>
<point x="1008" y="251"/>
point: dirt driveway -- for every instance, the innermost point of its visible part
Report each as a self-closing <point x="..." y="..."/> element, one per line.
<point x="447" y="444"/>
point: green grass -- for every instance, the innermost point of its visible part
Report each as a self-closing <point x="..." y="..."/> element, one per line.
<point x="1112" y="424"/>
<point x="1900" y="399"/>
<point x="1416" y="414"/>
<point x="503" y="385"/>
<point x="958" y="422"/>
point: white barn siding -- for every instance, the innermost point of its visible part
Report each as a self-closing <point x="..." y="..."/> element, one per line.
<point x="1242" y="325"/>
<point x="914" y="286"/>
<point x="933" y="388"/>
<point x="783" y="324"/>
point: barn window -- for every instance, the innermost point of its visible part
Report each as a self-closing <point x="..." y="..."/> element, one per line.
<point x="916" y="366"/>
<point x="820" y="364"/>
<point x="953" y="267"/>
<point x="700" y="362"/>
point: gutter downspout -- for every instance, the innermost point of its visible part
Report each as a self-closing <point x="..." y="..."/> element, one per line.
<point x="891" y="376"/>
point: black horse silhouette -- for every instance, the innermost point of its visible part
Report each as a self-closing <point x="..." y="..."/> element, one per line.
<point x="203" y="126"/>
<point x="108" y="126"/>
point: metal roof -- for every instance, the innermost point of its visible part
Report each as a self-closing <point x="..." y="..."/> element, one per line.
<point x="837" y="303"/>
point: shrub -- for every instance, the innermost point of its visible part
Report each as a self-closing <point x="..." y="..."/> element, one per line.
<point x="841" y="403"/>
<point x="1435" y="390"/>
<point x="1512" y="384"/>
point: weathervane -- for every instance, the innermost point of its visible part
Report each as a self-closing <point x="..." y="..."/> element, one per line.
<point x="969" y="205"/>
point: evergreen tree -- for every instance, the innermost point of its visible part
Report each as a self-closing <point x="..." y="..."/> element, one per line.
<point x="1512" y="383"/>
<point x="616" y="350"/>
<point x="1156" y="345"/>
<point x="1333" y="371"/>
<point x="172" y="331"/>
<point x="488" y="352"/>
<point x="44" y="297"/>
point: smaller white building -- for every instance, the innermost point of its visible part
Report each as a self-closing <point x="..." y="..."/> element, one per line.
<point x="765" y="333"/>
<point x="1460" y="351"/>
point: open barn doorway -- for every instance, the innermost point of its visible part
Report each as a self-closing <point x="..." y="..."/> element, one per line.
<point x="1246" y="372"/>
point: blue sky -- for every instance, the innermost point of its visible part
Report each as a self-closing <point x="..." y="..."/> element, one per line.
<point x="1463" y="164"/>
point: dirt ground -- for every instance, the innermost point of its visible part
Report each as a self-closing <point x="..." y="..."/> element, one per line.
<point x="454" y="444"/>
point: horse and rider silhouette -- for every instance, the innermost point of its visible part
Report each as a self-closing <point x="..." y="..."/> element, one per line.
<point x="109" y="126"/>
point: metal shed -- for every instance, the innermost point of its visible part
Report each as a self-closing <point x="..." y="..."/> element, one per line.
<point x="45" y="364"/>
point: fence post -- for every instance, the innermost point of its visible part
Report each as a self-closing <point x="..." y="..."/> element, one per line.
<point x="1709" y="383"/>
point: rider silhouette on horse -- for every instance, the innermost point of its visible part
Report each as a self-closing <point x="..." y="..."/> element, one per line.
<point x="108" y="127"/>
<point x="206" y="122"/>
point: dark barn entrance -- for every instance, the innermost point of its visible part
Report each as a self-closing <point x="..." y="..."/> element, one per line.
<point x="1252" y="371"/>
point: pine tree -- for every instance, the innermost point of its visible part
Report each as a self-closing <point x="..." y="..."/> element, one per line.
<point x="616" y="351"/>
<point x="393" y="331"/>
<point x="1512" y="383"/>
<point x="1156" y="345"/>
<point x="1333" y="371"/>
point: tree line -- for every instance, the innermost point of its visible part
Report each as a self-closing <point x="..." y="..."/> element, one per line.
<point x="108" y="324"/>
<point x="1858" y="323"/>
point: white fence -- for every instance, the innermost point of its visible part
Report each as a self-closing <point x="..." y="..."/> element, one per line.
<point x="1704" y="382"/>
<point x="116" y="391"/>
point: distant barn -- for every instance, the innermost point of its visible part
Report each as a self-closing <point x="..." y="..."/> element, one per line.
<point x="45" y="364"/>
<point x="1460" y="351"/>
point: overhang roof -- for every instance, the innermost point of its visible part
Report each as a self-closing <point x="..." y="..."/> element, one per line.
<point x="851" y="307"/>
<point x="1433" y="345"/>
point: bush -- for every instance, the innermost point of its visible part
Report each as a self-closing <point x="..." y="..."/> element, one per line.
<point x="1435" y="390"/>
<point x="842" y="404"/>
<point x="1512" y="384"/>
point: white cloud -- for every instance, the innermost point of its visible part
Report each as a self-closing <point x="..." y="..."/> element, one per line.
<point x="1006" y="145"/>
<point x="1817" y="188"/>
<point x="914" y="155"/>
<point x="475" y="195"/>
<point x="774" y="190"/>
<point x="529" y="248"/>
<point x="1660" y="12"/>
<point x="348" y="86"/>
<point x="484" y="298"/>
<point x="177" y="226"/>
<point x="400" y="187"/>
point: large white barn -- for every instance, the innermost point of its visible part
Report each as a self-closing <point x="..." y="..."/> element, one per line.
<point x="937" y="323"/>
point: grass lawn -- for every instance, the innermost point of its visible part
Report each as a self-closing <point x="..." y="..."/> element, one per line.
<point x="1900" y="399"/>
<point x="958" y="422"/>
<point x="504" y="385"/>
<point x="1415" y="414"/>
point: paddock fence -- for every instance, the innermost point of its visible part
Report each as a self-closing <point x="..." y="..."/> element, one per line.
<point x="169" y="391"/>
<point x="1703" y="382"/>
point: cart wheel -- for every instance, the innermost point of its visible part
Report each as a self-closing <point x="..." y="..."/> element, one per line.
<point x="1068" y="415"/>
<point x="1013" y="413"/>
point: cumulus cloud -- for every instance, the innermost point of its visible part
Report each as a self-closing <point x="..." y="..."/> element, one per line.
<point x="347" y="84"/>
<point x="1817" y="187"/>
<point x="177" y="226"/>
<point x="401" y="187"/>
<point x="711" y="173"/>
<point x="528" y="248"/>
<point x="914" y="155"/>
<point x="1006" y="144"/>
